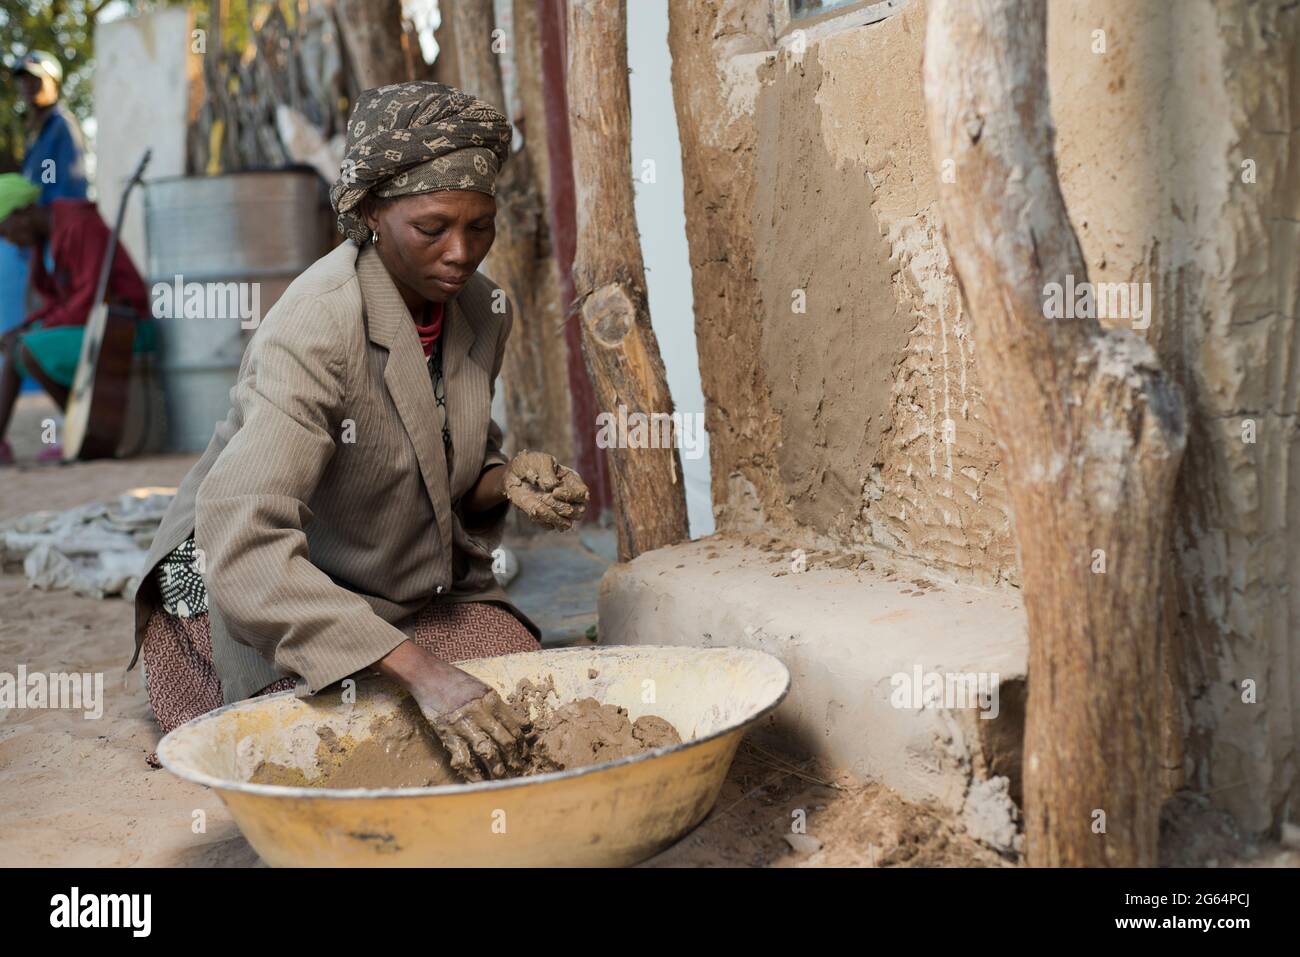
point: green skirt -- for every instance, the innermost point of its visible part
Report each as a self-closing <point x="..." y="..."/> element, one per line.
<point x="58" y="350"/>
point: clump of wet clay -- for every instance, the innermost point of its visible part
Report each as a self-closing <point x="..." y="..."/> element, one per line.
<point x="582" y="732"/>
<point x="400" y="750"/>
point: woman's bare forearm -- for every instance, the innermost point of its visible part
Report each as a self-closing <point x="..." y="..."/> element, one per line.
<point x="437" y="685"/>
<point x="488" y="492"/>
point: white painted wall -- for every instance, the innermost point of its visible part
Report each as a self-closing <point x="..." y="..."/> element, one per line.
<point x="661" y="218"/>
<point x="141" y="101"/>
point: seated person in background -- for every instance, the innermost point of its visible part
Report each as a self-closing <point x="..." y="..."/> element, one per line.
<point x="54" y="158"/>
<point x="68" y="239"/>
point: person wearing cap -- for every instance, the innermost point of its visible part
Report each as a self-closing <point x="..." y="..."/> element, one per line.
<point x="68" y="238"/>
<point x="344" y="517"/>
<point x="53" y="160"/>
<point x="55" y="155"/>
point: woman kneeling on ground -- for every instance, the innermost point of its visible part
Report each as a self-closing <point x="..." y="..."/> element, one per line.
<point x="344" y="515"/>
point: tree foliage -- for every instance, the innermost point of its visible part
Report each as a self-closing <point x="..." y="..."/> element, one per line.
<point x="66" y="29"/>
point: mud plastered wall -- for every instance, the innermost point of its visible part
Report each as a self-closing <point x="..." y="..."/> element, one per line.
<point x="815" y="250"/>
<point x="883" y="427"/>
<point x="842" y="382"/>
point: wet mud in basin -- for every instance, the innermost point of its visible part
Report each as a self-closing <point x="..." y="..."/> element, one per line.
<point x="401" y="751"/>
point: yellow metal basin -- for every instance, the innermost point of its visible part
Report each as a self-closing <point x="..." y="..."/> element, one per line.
<point x="610" y="814"/>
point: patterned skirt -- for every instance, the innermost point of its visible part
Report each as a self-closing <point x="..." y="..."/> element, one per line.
<point x="182" y="682"/>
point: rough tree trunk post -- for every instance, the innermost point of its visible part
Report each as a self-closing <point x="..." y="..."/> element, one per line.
<point x="537" y="412"/>
<point x="609" y="277"/>
<point x="477" y="70"/>
<point x="547" y="406"/>
<point x="1091" y="432"/>
<point x="445" y="68"/>
<point x="708" y="42"/>
<point x="562" y="221"/>
<point x="372" y="36"/>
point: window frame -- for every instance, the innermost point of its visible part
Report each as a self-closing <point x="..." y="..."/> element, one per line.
<point x="845" y="16"/>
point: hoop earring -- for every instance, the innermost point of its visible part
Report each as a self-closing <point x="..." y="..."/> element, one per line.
<point x="374" y="238"/>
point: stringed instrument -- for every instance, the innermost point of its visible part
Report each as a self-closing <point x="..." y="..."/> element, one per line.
<point x="96" y="409"/>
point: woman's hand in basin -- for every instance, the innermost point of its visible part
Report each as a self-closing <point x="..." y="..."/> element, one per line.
<point x="478" y="729"/>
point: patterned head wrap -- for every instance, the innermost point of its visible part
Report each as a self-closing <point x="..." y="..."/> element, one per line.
<point x="417" y="137"/>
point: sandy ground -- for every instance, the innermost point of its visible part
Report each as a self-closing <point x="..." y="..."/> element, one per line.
<point x="73" y="790"/>
<point x="77" y="791"/>
<point x="767" y="795"/>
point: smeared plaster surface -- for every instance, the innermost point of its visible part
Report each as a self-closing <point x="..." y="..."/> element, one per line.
<point x="742" y="82"/>
<point x="831" y="328"/>
<point x="883" y="426"/>
<point x="941" y="495"/>
<point x="990" y="816"/>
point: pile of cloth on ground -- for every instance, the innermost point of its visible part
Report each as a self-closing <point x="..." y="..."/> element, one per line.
<point x="98" y="550"/>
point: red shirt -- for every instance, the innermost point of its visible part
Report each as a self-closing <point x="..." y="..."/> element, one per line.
<point x="429" y="333"/>
<point x="78" y="239"/>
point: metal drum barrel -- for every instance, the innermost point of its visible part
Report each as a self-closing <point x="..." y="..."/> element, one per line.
<point x="222" y="250"/>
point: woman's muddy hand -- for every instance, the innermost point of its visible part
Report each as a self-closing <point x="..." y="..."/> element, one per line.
<point x="479" y="730"/>
<point x="547" y="492"/>
<point x="483" y="736"/>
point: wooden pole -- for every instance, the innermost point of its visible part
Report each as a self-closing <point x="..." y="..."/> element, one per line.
<point x="562" y="218"/>
<point x="470" y="29"/>
<point x="1091" y="432"/>
<point x="372" y="35"/>
<point x="537" y="408"/>
<point x="618" y="342"/>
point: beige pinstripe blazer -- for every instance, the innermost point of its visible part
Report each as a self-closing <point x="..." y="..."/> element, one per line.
<point x="323" y="505"/>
